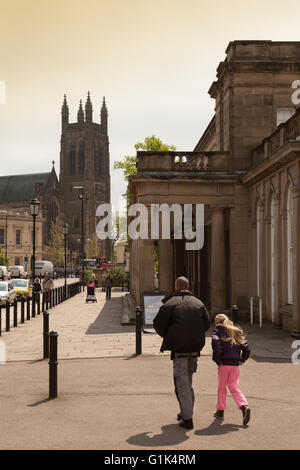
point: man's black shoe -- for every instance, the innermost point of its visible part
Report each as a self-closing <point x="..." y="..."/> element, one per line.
<point x="179" y="417"/>
<point x="246" y="414"/>
<point x="219" y="414"/>
<point x="186" y="423"/>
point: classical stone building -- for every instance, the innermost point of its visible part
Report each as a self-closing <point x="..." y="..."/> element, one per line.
<point x="84" y="162"/>
<point x="16" y="235"/>
<point x="245" y="169"/>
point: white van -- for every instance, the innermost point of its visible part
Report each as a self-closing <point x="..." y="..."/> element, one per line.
<point x="18" y="272"/>
<point x="44" y="267"/>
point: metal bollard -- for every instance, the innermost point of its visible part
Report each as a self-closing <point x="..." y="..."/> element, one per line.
<point x="15" y="313"/>
<point x="7" y="317"/>
<point x="22" y="310"/>
<point x="46" y="334"/>
<point x="235" y="314"/>
<point x="38" y="303"/>
<point x="53" y="365"/>
<point x="28" y="308"/>
<point x="33" y="305"/>
<point x="47" y="299"/>
<point x="43" y="301"/>
<point x="138" y="331"/>
<point x="0" y="320"/>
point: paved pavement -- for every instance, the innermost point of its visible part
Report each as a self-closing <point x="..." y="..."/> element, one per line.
<point x="111" y="399"/>
<point x="94" y="330"/>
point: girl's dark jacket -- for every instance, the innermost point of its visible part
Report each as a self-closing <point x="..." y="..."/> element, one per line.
<point x="182" y="321"/>
<point x="224" y="352"/>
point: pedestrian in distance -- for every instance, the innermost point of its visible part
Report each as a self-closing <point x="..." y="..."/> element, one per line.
<point x="36" y="288"/>
<point x="47" y="285"/>
<point x="230" y="350"/>
<point x="182" y="321"/>
<point x="108" y="285"/>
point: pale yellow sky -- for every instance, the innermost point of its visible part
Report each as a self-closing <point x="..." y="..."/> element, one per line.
<point x="153" y="60"/>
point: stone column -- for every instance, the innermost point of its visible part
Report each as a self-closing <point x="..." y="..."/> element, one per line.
<point x="145" y="259"/>
<point x="277" y="261"/>
<point x="296" y="261"/>
<point x="166" y="275"/>
<point x="218" y="293"/>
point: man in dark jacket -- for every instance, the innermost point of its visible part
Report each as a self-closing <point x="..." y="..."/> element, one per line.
<point x="108" y="284"/>
<point x="182" y="321"/>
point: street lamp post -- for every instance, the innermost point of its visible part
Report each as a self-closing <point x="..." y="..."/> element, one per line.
<point x="65" y="232"/>
<point x="6" y="237"/>
<point x="83" y="197"/>
<point x="34" y="209"/>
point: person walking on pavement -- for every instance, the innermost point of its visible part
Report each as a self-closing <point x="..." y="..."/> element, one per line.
<point x="36" y="288"/>
<point x="182" y="321"/>
<point x="47" y="285"/>
<point x="108" y="284"/>
<point x="230" y="350"/>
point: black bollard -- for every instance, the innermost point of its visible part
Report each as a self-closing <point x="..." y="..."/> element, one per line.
<point x="33" y="305"/>
<point x="0" y="320"/>
<point x="28" y="308"/>
<point x="47" y="299"/>
<point x="22" y="310"/>
<point x="46" y="334"/>
<point x="15" y="313"/>
<point x="43" y="301"/>
<point x="138" y="331"/>
<point x="7" y="317"/>
<point x="235" y="314"/>
<point x="53" y="365"/>
<point x="38" y="303"/>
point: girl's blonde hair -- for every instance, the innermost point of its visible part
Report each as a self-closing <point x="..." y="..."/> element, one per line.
<point x="234" y="334"/>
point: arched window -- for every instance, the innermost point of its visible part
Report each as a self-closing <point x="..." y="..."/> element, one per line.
<point x="76" y="223"/>
<point x="81" y="158"/>
<point x="290" y="246"/>
<point x="72" y="158"/>
<point x="258" y="232"/>
<point x="99" y="160"/>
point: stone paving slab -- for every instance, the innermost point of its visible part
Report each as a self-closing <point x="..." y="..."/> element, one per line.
<point x="95" y="330"/>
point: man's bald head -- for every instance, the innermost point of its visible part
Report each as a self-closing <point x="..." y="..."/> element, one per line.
<point x="182" y="283"/>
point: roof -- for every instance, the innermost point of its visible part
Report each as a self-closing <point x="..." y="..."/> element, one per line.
<point x="16" y="188"/>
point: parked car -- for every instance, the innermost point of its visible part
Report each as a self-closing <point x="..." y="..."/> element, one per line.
<point x="7" y="293"/>
<point x="22" y="287"/>
<point x="18" y="272"/>
<point x="4" y="273"/>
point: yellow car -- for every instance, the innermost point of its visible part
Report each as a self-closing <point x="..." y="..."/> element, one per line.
<point x="22" y="288"/>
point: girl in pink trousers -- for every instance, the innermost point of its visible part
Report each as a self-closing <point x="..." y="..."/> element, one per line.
<point x="230" y="350"/>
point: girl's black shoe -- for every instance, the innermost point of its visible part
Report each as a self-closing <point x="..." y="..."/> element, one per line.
<point x="219" y="414"/>
<point x="186" y="423"/>
<point x="179" y="417"/>
<point x="246" y="414"/>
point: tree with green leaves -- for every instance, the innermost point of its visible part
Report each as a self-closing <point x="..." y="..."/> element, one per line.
<point x="3" y="260"/>
<point x="56" y="245"/>
<point x="92" y="248"/>
<point x="151" y="143"/>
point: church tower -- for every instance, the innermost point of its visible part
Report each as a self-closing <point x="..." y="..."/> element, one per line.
<point x="84" y="162"/>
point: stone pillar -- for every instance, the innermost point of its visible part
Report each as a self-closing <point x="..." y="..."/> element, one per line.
<point x="166" y="275"/>
<point x="145" y="259"/>
<point x="277" y="261"/>
<point x="218" y="284"/>
<point x="296" y="261"/>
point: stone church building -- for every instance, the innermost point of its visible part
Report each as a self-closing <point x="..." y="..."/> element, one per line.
<point x="245" y="169"/>
<point x="84" y="163"/>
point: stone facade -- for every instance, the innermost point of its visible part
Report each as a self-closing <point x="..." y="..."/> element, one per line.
<point x="84" y="161"/>
<point x="16" y="235"/>
<point x="228" y="169"/>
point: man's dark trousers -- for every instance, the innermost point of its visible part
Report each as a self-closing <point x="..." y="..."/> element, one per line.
<point x="184" y="366"/>
<point x="108" y="292"/>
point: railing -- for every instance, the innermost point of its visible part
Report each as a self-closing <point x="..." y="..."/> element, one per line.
<point x="25" y="309"/>
<point x="182" y="161"/>
<point x="289" y="130"/>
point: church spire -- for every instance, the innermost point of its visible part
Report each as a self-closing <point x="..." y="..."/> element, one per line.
<point x="104" y="115"/>
<point x="64" y="113"/>
<point x="80" y="114"/>
<point x="88" y="109"/>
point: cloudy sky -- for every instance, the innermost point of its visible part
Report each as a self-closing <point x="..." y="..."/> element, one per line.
<point x="154" y="60"/>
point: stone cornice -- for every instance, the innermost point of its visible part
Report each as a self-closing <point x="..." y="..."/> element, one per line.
<point x="286" y="154"/>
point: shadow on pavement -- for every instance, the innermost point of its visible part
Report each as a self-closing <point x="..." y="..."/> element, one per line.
<point x="216" y="428"/>
<point x="109" y="319"/>
<point x="171" y="435"/>
<point x="40" y="402"/>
